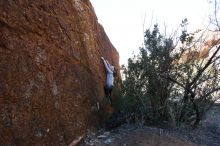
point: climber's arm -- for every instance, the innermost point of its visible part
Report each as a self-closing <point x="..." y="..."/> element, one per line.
<point x="109" y="66"/>
<point x="106" y="65"/>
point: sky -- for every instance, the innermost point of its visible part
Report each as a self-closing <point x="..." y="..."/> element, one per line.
<point x="124" y="21"/>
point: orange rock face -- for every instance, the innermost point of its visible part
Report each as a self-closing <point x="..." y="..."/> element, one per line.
<point x="51" y="74"/>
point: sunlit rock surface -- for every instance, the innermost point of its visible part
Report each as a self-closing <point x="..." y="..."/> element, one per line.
<point x="51" y="75"/>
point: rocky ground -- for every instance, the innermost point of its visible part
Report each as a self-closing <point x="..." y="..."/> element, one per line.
<point x="133" y="135"/>
<point x="208" y="132"/>
<point x="136" y="135"/>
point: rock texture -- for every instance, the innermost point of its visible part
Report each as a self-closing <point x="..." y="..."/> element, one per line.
<point x="51" y="75"/>
<point x="203" y="48"/>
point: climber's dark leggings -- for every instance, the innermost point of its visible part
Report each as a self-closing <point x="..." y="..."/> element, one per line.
<point x="108" y="92"/>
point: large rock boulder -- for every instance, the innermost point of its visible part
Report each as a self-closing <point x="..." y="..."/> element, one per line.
<point x="51" y="74"/>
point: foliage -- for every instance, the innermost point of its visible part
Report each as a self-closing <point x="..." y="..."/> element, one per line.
<point x="196" y="76"/>
<point x="146" y="93"/>
<point x="169" y="83"/>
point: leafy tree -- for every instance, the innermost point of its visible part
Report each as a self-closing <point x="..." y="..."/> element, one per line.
<point x="195" y="76"/>
<point x="145" y="92"/>
<point x="172" y="83"/>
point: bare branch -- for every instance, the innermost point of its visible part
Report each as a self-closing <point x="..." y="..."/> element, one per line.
<point x="172" y="80"/>
<point x="210" y="92"/>
<point x="200" y="72"/>
<point x="215" y="13"/>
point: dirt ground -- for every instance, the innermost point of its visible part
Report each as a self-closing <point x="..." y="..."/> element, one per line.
<point x="135" y="135"/>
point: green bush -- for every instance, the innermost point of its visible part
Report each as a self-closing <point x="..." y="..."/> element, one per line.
<point x="161" y="88"/>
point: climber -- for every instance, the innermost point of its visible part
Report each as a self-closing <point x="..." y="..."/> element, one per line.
<point x="110" y="74"/>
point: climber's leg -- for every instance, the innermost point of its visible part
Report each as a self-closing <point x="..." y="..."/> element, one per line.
<point x="110" y="94"/>
<point x="106" y="91"/>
